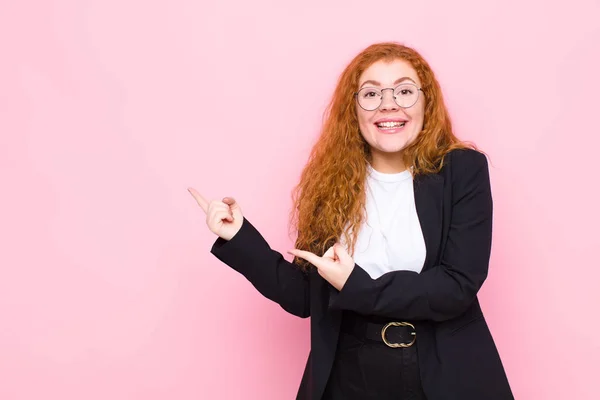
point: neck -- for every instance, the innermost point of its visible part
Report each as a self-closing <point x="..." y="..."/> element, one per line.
<point x="388" y="163"/>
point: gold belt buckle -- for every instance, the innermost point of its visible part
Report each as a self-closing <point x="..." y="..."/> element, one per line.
<point x="396" y="345"/>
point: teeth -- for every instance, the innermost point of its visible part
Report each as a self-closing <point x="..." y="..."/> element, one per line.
<point x="391" y="124"/>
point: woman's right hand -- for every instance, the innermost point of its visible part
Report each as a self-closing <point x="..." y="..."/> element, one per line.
<point x="223" y="218"/>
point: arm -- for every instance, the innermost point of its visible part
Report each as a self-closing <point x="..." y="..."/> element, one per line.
<point x="445" y="290"/>
<point x="275" y="278"/>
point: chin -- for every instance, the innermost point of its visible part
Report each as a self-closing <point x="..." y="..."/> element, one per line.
<point x="394" y="147"/>
<point x="390" y="149"/>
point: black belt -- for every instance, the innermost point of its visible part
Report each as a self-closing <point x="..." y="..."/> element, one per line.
<point x="393" y="333"/>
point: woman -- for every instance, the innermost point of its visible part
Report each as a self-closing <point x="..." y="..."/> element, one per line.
<point x="400" y="211"/>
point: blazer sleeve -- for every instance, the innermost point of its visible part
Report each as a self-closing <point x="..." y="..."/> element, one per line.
<point x="445" y="290"/>
<point x="274" y="277"/>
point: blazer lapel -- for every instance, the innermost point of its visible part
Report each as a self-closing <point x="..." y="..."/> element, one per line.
<point x="429" y="202"/>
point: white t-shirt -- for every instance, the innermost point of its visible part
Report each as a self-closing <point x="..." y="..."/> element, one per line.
<point x="391" y="238"/>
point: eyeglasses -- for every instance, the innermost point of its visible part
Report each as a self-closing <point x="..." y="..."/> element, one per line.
<point x="405" y="95"/>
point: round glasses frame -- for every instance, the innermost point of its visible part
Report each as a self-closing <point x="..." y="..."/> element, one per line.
<point x="418" y="89"/>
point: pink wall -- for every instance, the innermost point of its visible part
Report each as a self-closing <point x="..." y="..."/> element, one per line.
<point x="110" y="109"/>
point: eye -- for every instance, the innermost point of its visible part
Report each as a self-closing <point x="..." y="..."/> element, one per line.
<point x="369" y="94"/>
<point x="406" y="90"/>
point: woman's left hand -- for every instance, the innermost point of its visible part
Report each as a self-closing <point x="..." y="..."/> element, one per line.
<point x="335" y="266"/>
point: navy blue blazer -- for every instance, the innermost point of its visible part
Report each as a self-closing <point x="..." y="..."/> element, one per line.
<point x="458" y="358"/>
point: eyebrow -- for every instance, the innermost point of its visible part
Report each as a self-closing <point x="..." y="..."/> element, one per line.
<point x="375" y="83"/>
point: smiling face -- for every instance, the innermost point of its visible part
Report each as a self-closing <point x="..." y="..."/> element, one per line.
<point x="389" y="128"/>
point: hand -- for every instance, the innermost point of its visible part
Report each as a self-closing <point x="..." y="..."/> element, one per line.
<point x="224" y="218"/>
<point x="335" y="266"/>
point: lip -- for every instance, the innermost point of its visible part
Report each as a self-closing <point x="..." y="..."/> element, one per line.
<point x="390" y="120"/>
<point x="391" y="131"/>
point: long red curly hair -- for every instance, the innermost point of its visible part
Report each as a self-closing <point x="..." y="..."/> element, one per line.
<point x="331" y="193"/>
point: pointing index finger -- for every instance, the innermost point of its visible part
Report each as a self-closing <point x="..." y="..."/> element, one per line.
<point x="307" y="255"/>
<point x="199" y="199"/>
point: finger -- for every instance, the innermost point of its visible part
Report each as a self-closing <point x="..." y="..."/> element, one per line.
<point x="223" y="209"/>
<point x="199" y="199"/>
<point x="233" y="205"/>
<point x="230" y="201"/>
<point x="220" y="215"/>
<point x="218" y="205"/>
<point x="307" y="255"/>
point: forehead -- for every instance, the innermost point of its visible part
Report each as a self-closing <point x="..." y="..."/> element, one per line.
<point x="386" y="72"/>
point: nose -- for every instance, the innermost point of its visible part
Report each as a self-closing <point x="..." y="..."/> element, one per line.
<point x="388" y="103"/>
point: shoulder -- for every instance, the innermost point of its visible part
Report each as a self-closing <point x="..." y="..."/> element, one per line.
<point x="465" y="159"/>
<point x="466" y="168"/>
<point x="460" y="166"/>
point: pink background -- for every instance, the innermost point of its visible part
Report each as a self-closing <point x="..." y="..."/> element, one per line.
<point x="110" y="109"/>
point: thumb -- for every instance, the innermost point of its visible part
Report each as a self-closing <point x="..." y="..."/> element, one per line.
<point x="342" y="254"/>
<point x="234" y="206"/>
<point x="329" y="253"/>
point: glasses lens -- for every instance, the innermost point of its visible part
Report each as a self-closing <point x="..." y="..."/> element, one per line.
<point x="406" y="95"/>
<point x="369" y="98"/>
